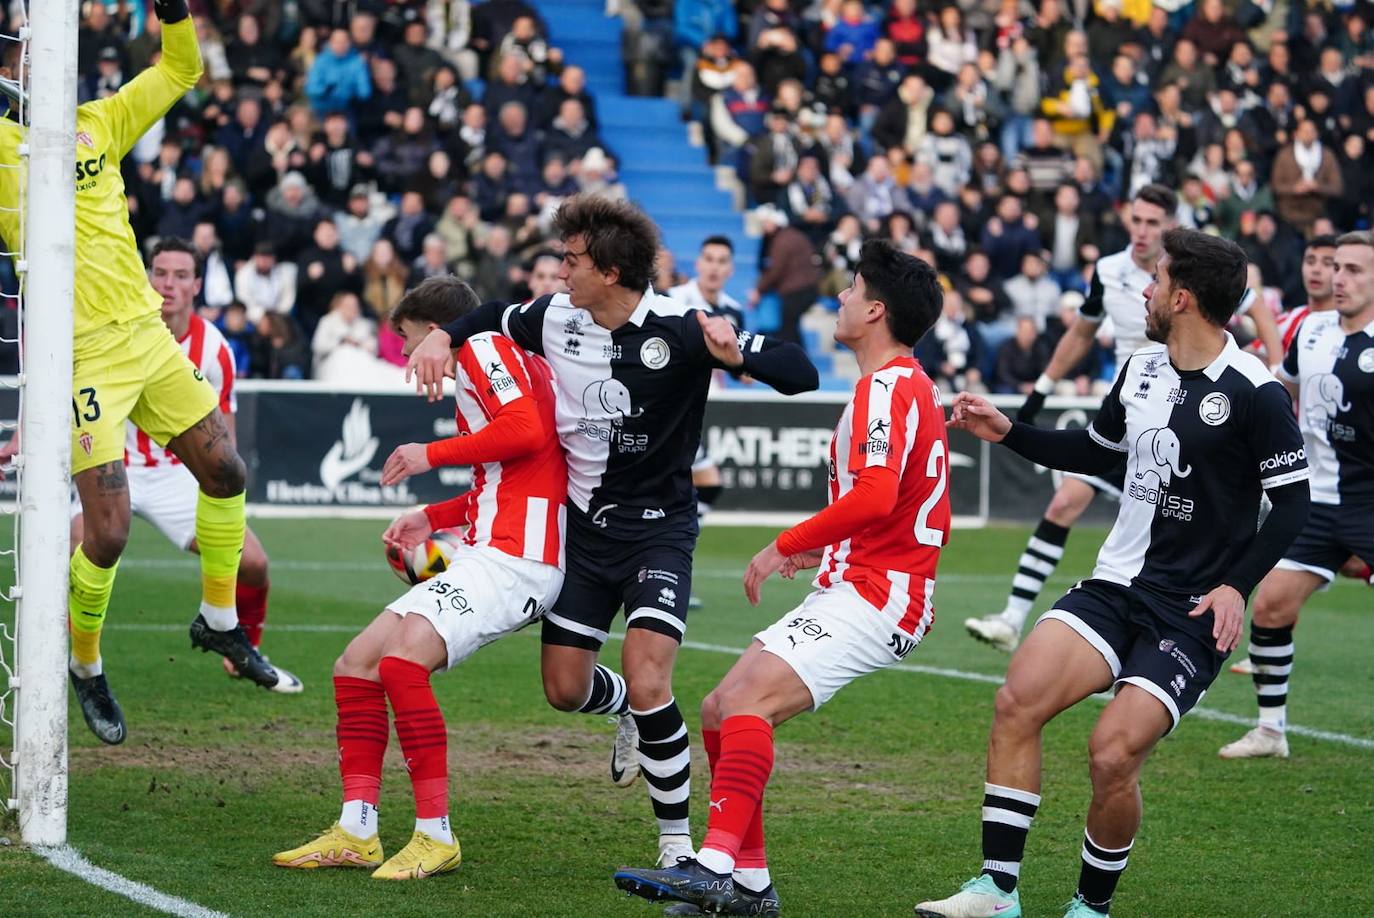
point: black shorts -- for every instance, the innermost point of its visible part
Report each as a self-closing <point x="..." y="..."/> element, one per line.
<point x="1109" y="483"/>
<point x="1146" y="638"/>
<point x="1333" y="533"/>
<point x="651" y="578"/>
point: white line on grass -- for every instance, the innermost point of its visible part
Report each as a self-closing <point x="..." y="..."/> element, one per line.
<point x="1327" y="736"/>
<point x="67" y="858"/>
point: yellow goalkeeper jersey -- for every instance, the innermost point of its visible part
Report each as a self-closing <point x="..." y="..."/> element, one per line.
<point x="111" y="284"/>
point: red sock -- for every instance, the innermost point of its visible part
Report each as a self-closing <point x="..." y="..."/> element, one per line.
<point x="737" y="783"/>
<point x="420" y="728"/>
<point x="362" y="732"/>
<point x="751" y="851"/>
<point x="252" y="607"/>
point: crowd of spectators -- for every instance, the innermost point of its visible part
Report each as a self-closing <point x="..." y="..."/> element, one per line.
<point x="1001" y="140"/>
<point x="336" y="153"/>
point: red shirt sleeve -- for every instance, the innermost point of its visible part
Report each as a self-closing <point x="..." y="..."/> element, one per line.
<point x="452" y="513"/>
<point x="492" y="369"/>
<point x="871" y="499"/>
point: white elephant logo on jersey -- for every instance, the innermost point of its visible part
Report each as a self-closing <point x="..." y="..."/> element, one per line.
<point x="1326" y="397"/>
<point x="1156" y="452"/>
<point x="608" y="400"/>
<point x="353" y="451"/>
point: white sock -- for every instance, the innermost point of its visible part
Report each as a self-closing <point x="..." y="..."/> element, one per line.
<point x="85" y="671"/>
<point x="219" y="619"/>
<point x="1016" y="611"/>
<point x="754" y="879"/>
<point x="1273" y="719"/>
<point x="716" y="861"/>
<point x="359" y="818"/>
<point x="436" y="828"/>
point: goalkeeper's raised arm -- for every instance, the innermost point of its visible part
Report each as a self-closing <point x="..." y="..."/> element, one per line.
<point x="147" y="97"/>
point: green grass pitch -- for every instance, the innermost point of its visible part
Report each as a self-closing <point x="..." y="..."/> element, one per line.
<point x="874" y="802"/>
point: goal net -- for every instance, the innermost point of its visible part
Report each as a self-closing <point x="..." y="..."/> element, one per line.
<point x="36" y="187"/>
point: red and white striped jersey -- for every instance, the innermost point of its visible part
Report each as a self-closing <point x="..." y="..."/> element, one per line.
<point x="518" y="505"/>
<point x="894" y="419"/>
<point x="205" y="346"/>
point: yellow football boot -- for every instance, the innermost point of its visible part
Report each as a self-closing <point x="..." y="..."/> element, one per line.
<point x="334" y="848"/>
<point x="423" y="857"/>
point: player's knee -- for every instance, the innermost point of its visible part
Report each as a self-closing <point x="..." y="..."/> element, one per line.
<point x="356" y="665"/>
<point x="710" y="711"/>
<point x="648" y="691"/>
<point x="565" y="694"/>
<point x="1274" y="609"/>
<point x="104" y="544"/>
<point x="1066" y="507"/>
<point x="228" y="476"/>
<point x="1112" y="758"/>
<point x="1013" y="709"/>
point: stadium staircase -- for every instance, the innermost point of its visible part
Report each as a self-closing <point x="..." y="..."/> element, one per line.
<point x="663" y="172"/>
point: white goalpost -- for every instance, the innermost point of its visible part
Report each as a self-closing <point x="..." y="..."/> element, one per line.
<point x="45" y="265"/>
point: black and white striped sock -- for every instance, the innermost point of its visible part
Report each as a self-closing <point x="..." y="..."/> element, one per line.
<point x="1007" y="815"/>
<point x="665" y="761"/>
<point x="1101" y="871"/>
<point x="608" y="693"/>
<point x="1038" y="561"/>
<point x="1271" y="653"/>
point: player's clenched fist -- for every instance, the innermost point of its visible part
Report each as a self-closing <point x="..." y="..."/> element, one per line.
<point x="407" y="459"/>
<point x="721" y="339"/>
<point x="976" y="415"/>
<point x="430" y="362"/>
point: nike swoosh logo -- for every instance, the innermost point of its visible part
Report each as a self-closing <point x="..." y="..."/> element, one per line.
<point x="1001" y="907"/>
<point x="421" y="872"/>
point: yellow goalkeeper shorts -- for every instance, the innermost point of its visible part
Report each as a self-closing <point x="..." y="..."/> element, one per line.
<point x="132" y="371"/>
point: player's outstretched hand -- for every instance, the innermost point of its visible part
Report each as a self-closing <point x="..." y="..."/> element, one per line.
<point x="407" y="459"/>
<point x="976" y="415"/>
<point x="1228" y="611"/>
<point x="722" y="340"/>
<point x="407" y="530"/>
<point x="429" y="363"/>
<point x="765" y="564"/>
<point x="806" y="560"/>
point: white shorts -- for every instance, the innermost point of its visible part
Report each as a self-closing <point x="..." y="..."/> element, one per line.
<point x="485" y="594"/>
<point x="164" y="495"/>
<point x="834" y="637"/>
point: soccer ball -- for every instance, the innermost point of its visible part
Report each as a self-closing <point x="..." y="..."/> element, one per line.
<point x="430" y="557"/>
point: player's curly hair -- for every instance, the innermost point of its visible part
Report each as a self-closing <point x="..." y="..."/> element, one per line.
<point x="619" y="236"/>
<point x="1212" y="269"/>
<point x="441" y="299"/>
<point x="906" y="285"/>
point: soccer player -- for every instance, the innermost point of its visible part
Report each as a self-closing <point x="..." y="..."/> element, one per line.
<point x="127" y="367"/>
<point x="631" y="371"/>
<point x="507" y="572"/>
<point x="1205" y="429"/>
<point x="1329" y="369"/>
<point x="160" y="489"/>
<point x="1115" y="293"/>
<point x="877" y="545"/>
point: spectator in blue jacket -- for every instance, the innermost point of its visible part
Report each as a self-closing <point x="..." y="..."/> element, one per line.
<point x="339" y="78"/>
<point x="696" y="22"/>
<point x="853" y="34"/>
<point x="1007" y="237"/>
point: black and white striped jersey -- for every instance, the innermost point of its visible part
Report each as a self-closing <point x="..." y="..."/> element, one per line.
<point x="1200" y="447"/>
<point x="1335" y="376"/>
<point x="630" y="401"/>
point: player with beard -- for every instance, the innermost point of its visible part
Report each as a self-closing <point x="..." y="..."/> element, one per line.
<point x="1205" y="429"/>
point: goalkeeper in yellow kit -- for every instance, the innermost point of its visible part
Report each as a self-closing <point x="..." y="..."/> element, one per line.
<point x="127" y="366"/>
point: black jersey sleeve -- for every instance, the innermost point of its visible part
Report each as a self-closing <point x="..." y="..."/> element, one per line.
<point x="1108" y="429"/>
<point x="1067" y="450"/>
<point x="781" y="364"/>
<point x="523" y="324"/>
<point x="1274" y="439"/>
<point x="1290" y="356"/>
<point x="1287" y="516"/>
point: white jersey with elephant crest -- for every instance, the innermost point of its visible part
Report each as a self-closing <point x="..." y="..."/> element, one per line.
<point x="1200" y="447"/>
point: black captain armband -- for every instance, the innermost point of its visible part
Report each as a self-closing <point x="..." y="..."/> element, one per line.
<point x="170" y="11"/>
